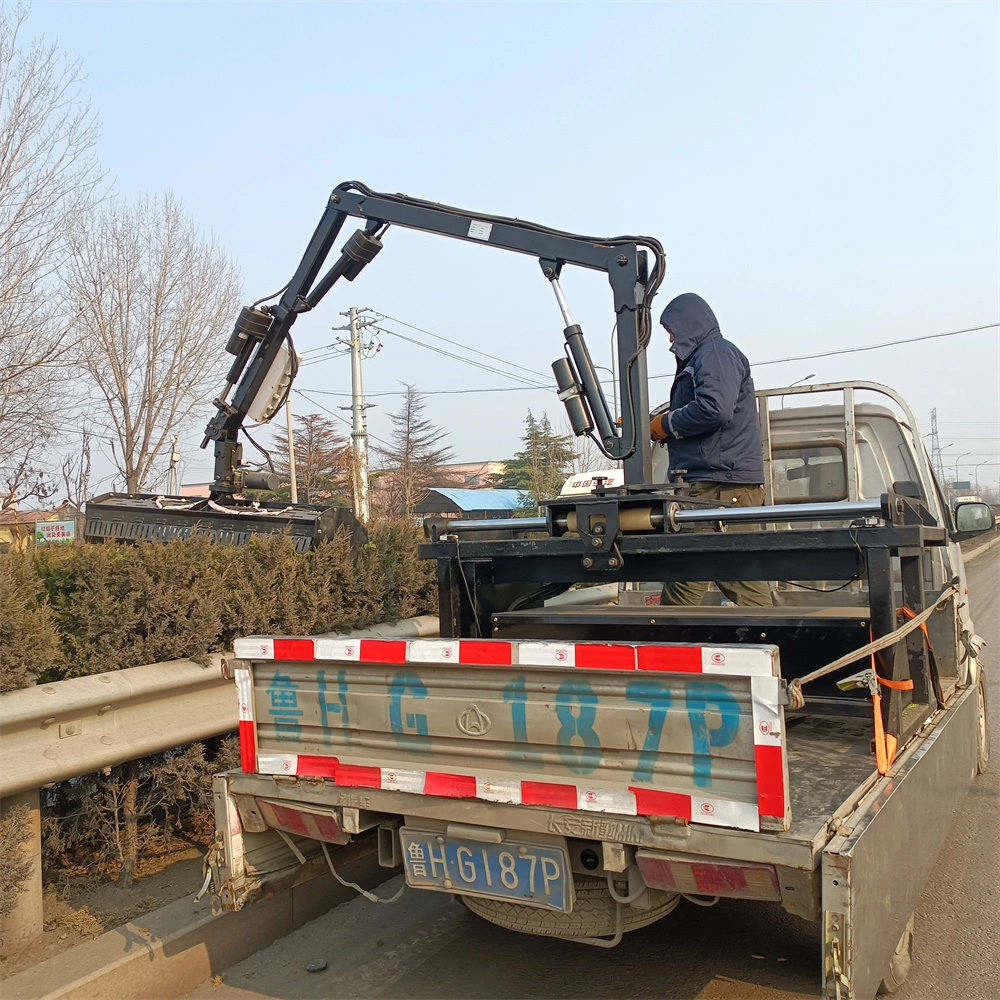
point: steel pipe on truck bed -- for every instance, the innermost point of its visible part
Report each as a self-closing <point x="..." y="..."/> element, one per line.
<point x="500" y="524"/>
<point x="834" y="511"/>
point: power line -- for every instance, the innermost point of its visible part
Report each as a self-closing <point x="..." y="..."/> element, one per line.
<point x="437" y="350"/>
<point x="876" y="347"/>
<point x="442" y="392"/>
<point x="449" y="354"/>
<point x="455" y="357"/>
<point x="471" y="350"/>
<point x="337" y="416"/>
<point x="858" y="350"/>
<point x="549" y="386"/>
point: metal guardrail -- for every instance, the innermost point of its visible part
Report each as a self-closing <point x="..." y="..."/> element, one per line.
<point x="62" y="730"/>
<point x="58" y="731"/>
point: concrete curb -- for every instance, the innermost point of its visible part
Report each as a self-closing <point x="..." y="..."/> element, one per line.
<point x="173" y="949"/>
<point x="980" y="549"/>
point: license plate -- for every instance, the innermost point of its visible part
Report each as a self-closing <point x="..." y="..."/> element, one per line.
<point x="521" y="872"/>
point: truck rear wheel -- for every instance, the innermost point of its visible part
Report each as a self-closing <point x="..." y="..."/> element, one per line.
<point x="902" y="959"/>
<point x="594" y="914"/>
<point x="982" y="727"/>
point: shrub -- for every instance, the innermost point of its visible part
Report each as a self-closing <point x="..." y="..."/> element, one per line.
<point x="72" y="611"/>
<point x="15" y="865"/>
<point x="29" y="634"/>
<point x="77" y="610"/>
<point x="108" y="820"/>
<point x="124" y="606"/>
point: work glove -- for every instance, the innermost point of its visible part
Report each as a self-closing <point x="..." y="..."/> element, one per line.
<point x="659" y="429"/>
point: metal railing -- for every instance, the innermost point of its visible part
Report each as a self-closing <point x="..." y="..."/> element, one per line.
<point x="58" y="731"/>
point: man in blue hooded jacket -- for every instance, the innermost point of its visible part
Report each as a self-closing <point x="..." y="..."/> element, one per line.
<point x="711" y="430"/>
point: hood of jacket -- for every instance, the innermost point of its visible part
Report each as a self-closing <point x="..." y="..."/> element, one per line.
<point x="691" y="320"/>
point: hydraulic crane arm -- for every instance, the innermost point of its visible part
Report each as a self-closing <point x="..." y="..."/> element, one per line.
<point x="262" y="344"/>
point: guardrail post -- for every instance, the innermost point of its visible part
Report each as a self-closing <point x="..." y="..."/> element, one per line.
<point x="25" y="920"/>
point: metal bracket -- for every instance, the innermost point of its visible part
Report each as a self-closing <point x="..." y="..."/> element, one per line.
<point x="390" y="851"/>
<point x="834" y="951"/>
<point x="615" y="858"/>
<point x="599" y="528"/>
<point x="864" y="679"/>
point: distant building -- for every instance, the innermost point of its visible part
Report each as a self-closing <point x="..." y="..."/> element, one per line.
<point x="20" y="530"/>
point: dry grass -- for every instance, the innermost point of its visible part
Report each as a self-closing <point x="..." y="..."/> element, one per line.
<point x="82" y="921"/>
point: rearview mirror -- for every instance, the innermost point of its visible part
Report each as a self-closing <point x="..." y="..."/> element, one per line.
<point x="972" y="519"/>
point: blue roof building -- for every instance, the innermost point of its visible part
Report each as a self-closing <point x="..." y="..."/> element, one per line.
<point x="472" y="503"/>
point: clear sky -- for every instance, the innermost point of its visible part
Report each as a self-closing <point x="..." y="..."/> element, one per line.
<point x="826" y="175"/>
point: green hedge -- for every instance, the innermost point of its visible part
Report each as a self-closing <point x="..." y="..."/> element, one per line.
<point x="75" y="610"/>
<point x="84" y="609"/>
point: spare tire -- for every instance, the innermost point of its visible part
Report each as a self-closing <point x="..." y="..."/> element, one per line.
<point x="594" y="912"/>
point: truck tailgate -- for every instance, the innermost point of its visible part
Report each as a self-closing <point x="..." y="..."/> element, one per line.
<point x="646" y="729"/>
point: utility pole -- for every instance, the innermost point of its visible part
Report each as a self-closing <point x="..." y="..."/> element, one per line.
<point x="292" y="482"/>
<point x="359" y="429"/>
<point x="175" y="457"/>
<point x="937" y="461"/>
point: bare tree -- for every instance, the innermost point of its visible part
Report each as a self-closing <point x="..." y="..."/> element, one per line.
<point x="414" y="462"/>
<point x="587" y="457"/>
<point x="48" y="174"/>
<point x="24" y="477"/>
<point x="76" y="471"/>
<point x="152" y="297"/>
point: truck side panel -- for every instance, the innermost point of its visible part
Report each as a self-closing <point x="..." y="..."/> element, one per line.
<point x="876" y="867"/>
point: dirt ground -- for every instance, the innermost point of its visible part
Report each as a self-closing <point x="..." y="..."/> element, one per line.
<point x="80" y="906"/>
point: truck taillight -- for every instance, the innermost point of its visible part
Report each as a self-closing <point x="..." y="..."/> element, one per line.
<point x="314" y="822"/>
<point x="707" y="877"/>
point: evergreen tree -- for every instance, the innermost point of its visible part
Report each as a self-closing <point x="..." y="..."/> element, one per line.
<point x="322" y="461"/>
<point x="414" y="463"/>
<point x="542" y="466"/>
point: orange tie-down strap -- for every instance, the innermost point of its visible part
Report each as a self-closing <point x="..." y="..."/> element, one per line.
<point x="796" y="699"/>
<point x="931" y="658"/>
<point x="885" y="743"/>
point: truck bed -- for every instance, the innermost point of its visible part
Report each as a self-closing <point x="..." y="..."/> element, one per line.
<point x="829" y="760"/>
<point x="405" y="751"/>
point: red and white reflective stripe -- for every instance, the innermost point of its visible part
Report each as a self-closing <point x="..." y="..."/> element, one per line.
<point x="433" y="651"/>
<point x="758" y="662"/>
<point x="767" y="745"/>
<point x="743" y="661"/>
<point x="631" y="801"/>
<point x="725" y="812"/>
<point x="248" y="735"/>
<point x="255" y="648"/>
<point x="336" y="649"/>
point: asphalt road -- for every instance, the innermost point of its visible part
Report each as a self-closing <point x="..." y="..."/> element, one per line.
<point x="426" y="946"/>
